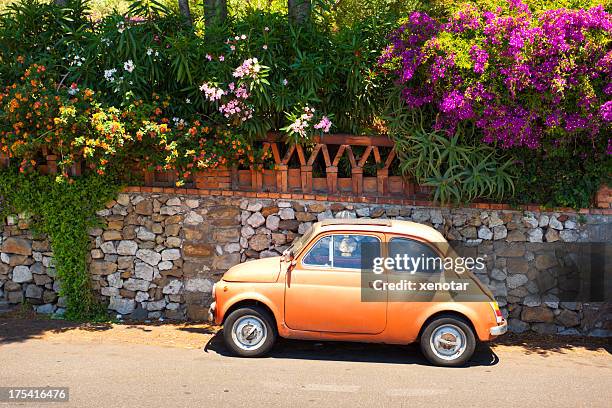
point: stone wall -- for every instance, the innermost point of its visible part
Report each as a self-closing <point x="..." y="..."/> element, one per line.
<point x="159" y="254"/>
<point x="26" y="269"/>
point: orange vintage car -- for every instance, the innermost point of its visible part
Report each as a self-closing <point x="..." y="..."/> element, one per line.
<point x="320" y="289"/>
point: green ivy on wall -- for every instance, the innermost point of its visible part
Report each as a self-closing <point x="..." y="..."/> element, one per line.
<point x="64" y="211"/>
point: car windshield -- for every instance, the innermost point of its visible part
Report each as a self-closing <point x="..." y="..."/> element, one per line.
<point x="299" y="243"/>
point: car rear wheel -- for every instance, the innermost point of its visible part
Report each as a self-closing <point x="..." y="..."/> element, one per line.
<point x="249" y="331"/>
<point x="448" y="341"/>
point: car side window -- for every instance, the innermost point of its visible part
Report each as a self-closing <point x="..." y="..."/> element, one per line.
<point x="342" y="251"/>
<point x="348" y="250"/>
<point x="319" y="254"/>
<point x="418" y="257"/>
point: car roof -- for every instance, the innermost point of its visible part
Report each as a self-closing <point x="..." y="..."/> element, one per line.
<point x="381" y="225"/>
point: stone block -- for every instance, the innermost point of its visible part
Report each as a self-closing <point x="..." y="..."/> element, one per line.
<point x="22" y="274"/>
<point x="225" y="235"/>
<point x="538" y="314"/>
<point x="121" y="305"/>
<point x="226" y="261"/>
<point x="19" y="246"/>
<point x="198" y="250"/>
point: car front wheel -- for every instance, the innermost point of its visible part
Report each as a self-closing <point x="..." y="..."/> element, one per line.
<point x="448" y="341"/>
<point x="249" y="332"/>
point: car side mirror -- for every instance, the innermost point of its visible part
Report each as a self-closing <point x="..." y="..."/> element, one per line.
<point x="288" y="256"/>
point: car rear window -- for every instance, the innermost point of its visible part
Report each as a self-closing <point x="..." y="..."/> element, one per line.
<point x="430" y="260"/>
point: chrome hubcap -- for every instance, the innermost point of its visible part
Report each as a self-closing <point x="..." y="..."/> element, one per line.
<point x="448" y="342"/>
<point x="249" y="332"/>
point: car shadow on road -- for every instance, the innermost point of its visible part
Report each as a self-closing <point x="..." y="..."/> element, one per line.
<point x="352" y="352"/>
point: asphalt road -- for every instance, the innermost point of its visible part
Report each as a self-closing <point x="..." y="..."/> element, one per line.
<point x="301" y="374"/>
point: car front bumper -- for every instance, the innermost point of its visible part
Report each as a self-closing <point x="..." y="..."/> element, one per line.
<point x="212" y="312"/>
<point x="499" y="330"/>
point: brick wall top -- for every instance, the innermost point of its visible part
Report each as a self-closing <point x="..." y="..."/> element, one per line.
<point x="363" y="199"/>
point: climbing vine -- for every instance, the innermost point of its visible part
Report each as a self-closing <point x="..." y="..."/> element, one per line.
<point x="63" y="211"/>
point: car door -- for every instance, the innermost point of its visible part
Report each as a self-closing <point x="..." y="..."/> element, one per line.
<point x="427" y="267"/>
<point x="323" y="291"/>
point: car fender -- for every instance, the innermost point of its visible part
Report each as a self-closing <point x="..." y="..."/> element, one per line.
<point x="470" y="313"/>
<point x="251" y="296"/>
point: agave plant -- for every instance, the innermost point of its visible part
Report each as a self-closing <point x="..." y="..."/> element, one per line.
<point x="458" y="172"/>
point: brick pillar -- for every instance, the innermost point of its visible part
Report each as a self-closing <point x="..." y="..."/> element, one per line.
<point x="282" y="183"/>
<point x="382" y="176"/>
<point x="332" y="179"/>
<point x="357" y="175"/>
<point x="149" y="178"/>
<point x="52" y="164"/>
<point x="409" y="189"/>
<point x="306" y="174"/>
<point x="604" y="197"/>
<point x="256" y="178"/>
<point x="235" y="178"/>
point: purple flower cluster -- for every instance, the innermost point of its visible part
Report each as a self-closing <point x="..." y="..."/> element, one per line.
<point x="521" y="77"/>
<point x="480" y="58"/>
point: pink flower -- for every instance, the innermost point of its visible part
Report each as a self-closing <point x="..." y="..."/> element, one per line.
<point x="242" y="93"/>
<point x="238" y="108"/>
<point x="299" y="127"/>
<point x="249" y="69"/>
<point x="211" y="92"/>
<point x="324" y="125"/>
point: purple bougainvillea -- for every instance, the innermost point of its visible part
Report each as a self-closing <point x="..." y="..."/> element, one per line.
<point x="521" y="78"/>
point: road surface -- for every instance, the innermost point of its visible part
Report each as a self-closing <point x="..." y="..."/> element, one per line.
<point x="302" y="374"/>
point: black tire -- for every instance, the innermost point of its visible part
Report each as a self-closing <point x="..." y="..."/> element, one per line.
<point x="455" y="323"/>
<point x="257" y="314"/>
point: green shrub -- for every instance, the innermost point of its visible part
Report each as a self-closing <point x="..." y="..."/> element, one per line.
<point x="64" y="212"/>
<point x="457" y="172"/>
<point x="560" y="178"/>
